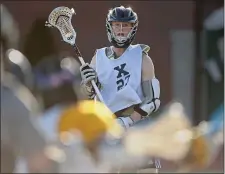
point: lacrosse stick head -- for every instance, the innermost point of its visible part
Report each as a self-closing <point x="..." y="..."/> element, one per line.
<point x="60" y="18"/>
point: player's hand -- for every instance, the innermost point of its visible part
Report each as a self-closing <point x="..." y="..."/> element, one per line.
<point x="88" y="74"/>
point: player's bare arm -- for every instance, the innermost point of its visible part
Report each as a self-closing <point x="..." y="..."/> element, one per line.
<point x="148" y="73"/>
<point x="150" y="88"/>
<point x="93" y="61"/>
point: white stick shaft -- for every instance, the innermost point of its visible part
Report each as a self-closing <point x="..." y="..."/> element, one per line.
<point x="81" y="60"/>
<point x="97" y="91"/>
<point x="93" y="83"/>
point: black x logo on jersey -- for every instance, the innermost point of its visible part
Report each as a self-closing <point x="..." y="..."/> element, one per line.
<point x="121" y="70"/>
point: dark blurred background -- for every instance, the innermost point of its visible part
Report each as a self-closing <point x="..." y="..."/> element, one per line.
<point x="186" y="40"/>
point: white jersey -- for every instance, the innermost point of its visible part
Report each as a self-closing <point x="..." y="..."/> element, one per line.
<point x="120" y="78"/>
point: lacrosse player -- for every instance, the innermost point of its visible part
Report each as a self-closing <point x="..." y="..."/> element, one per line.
<point x="123" y="72"/>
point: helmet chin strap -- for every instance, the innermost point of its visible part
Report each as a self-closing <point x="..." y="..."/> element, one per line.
<point x="125" y="45"/>
<point x="121" y="44"/>
<point x="121" y="39"/>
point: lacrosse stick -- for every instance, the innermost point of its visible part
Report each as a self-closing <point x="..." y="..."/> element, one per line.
<point x="60" y="18"/>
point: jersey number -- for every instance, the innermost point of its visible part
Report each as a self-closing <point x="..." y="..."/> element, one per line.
<point x="122" y="76"/>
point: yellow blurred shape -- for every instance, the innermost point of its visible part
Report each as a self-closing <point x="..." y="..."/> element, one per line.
<point x="200" y="151"/>
<point x="91" y="119"/>
<point x="198" y="156"/>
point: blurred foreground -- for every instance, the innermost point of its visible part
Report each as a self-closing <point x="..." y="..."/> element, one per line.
<point x="47" y="125"/>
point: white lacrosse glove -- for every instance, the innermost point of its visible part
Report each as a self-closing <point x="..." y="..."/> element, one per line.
<point x="88" y="74"/>
<point x="125" y="122"/>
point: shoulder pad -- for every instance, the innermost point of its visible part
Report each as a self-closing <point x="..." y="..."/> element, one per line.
<point x="109" y="53"/>
<point x="145" y="48"/>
